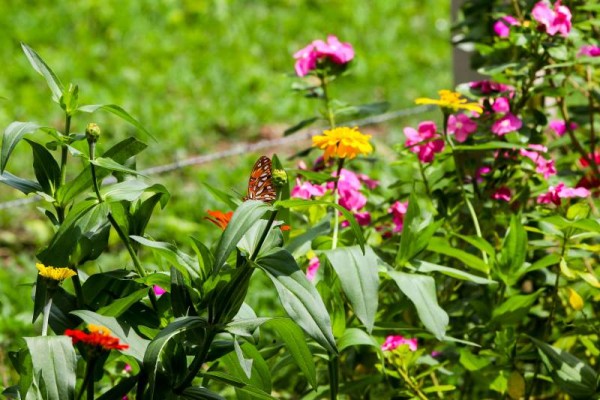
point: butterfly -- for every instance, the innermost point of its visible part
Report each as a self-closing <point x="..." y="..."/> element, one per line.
<point x="260" y="185"/>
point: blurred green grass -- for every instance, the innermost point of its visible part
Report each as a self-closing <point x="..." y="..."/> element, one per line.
<point x="201" y="76"/>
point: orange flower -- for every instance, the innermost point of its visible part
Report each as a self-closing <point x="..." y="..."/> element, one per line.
<point x="285" y="228"/>
<point x="219" y="218"/>
<point x="97" y="336"/>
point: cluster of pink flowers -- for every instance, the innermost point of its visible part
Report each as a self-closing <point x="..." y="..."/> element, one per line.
<point x="332" y="50"/>
<point x="589" y="51"/>
<point x="502" y="26"/>
<point x="508" y="122"/>
<point x="559" y="126"/>
<point x="557" y="20"/>
<point x="398" y="211"/>
<point x="543" y="166"/>
<point x="556" y="193"/>
<point x="424" y="141"/>
<point x="502" y="193"/>
<point x="393" y="341"/>
<point x="461" y="126"/>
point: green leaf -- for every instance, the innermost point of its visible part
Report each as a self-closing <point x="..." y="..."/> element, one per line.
<point x="420" y="289"/>
<point x="300" y="125"/>
<point x="118" y="307"/>
<point x="12" y="135"/>
<point x="199" y="393"/>
<point x="514" y="308"/>
<point x="125" y="333"/>
<point x="253" y="370"/>
<point x="347" y="214"/>
<point x="245" y="326"/>
<point x="185" y="263"/>
<point x="142" y="211"/>
<point x="245" y="364"/>
<point x="54" y="360"/>
<point x="119" y="112"/>
<point x="356" y="337"/>
<point x="23" y="185"/>
<point x="47" y="171"/>
<point x="242" y="220"/>
<point x="238" y="384"/>
<point x="489" y="146"/>
<point x="43" y="69"/>
<point x="479" y="243"/>
<point x="571" y="374"/>
<point x="130" y="190"/>
<point x="418" y="229"/>
<point x="181" y="302"/>
<point x="153" y="358"/>
<point x="298" y="296"/>
<point x="359" y="277"/>
<point x="112" y="165"/>
<point x="441" y="246"/>
<point x="472" y="362"/>
<point x="514" y="250"/>
<point x="120" y="389"/>
<point x="300" y="244"/>
<point x="424" y="266"/>
<point x="365" y="110"/>
<point x="296" y="345"/>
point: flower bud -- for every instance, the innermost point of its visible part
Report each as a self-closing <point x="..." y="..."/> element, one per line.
<point x="92" y="132"/>
<point x="279" y="177"/>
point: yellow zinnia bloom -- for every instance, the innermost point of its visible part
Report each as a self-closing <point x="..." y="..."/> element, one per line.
<point x="343" y="142"/>
<point x="575" y="300"/>
<point x="451" y="101"/>
<point x="53" y="273"/>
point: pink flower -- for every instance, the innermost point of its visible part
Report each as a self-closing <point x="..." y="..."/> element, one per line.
<point x="313" y="266"/>
<point x="558" y="192"/>
<point x="461" y="126"/>
<point x="589" y="51"/>
<point x="398" y="210"/>
<point x="158" y="290"/>
<point x="560" y="127"/>
<point x="503" y="193"/>
<point x="425" y="133"/>
<point x="392" y="342"/>
<point x="554" y="21"/>
<point x="348" y="181"/>
<point x="489" y="87"/>
<point x="502" y="26"/>
<point x="370" y="183"/>
<point x="352" y="200"/>
<point x="363" y="218"/>
<point x="543" y="166"/>
<point x="501" y="105"/>
<point x="127" y="368"/>
<point x="594" y="156"/>
<point x="333" y="50"/>
<point x="508" y="123"/>
<point x="306" y="190"/>
<point x="480" y="172"/>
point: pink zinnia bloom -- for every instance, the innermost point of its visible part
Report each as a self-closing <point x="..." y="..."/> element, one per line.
<point x="158" y="290"/>
<point x="543" y="166"/>
<point x="558" y="192"/>
<point x="348" y="181"/>
<point x="305" y="190"/>
<point x="559" y="126"/>
<point x="489" y="87"/>
<point x="554" y="21"/>
<point x="363" y="218"/>
<point x="352" y="200"/>
<point x="313" y="266"/>
<point x="502" y="26"/>
<point x="461" y="126"/>
<point x="398" y="210"/>
<point x="508" y="123"/>
<point x="333" y="49"/>
<point x="589" y="51"/>
<point x="501" y="105"/>
<point x="393" y="341"/>
<point x="370" y="183"/>
<point x="503" y="193"/>
<point x="425" y="133"/>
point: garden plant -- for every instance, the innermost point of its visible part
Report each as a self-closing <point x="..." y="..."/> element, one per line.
<point x="471" y="273"/>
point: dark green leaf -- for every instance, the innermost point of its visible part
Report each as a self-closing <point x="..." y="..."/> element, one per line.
<point x="424" y="266"/>
<point x="514" y="249"/>
<point x="43" y="69"/>
<point x="231" y="201"/>
<point x="112" y="165"/>
<point x="181" y="301"/>
<point x="514" y="308"/>
<point x="182" y="261"/>
<point x="118" y="307"/>
<point x="418" y="229"/>
<point x="120" y="389"/>
<point x="238" y="384"/>
<point x="300" y="125"/>
<point x="23" y="185"/>
<point x="12" y="135"/>
<point x="441" y="246"/>
<point x="200" y="393"/>
<point x="300" y="244"/>
<point x="119" y="112"/>
<point x="47" y="171"/>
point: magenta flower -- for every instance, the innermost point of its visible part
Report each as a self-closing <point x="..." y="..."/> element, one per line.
<point x="424" y="141"/>
<point x="370" y="183"/>
<point x="558" y="192"/>
<point x="543" y="166"/>
<point x="393" y="341"/>
<point x="554" y="21"/>
<point x="398" y="210"/>
<point x="560" y="127"/>
<point x="127" y="368"/>
<point x="503" y="193"/>
<point x="313" y="266"/>
<point x="461" y="127"/>
<point x="501" y="105"/>
<point x="502" y="26"/>
<point x="305" y="190"/>
<point x="489" y="87"/>
<point x="508" y="123"/>
<point x="158" y="290"/>
<point x="481" y="172"/>
<point x="348" y="181"/>
<point x="352" y="200"/>
<point x="332" y="50"/>
<point x="589" y="51"/>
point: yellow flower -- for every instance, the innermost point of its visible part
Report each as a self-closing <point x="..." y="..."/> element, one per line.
<point x="575" y="300"/>
<point x="53" y="273"/>
<point x="451" y="101"/>
<point x="343" y="142"/>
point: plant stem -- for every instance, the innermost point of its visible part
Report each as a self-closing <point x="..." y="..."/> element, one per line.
<point x="424" y="177"/>
<point x="64" y="153"/>
<point x="47" y="309"/>
<point x="327" y="99"/>
<point x="88" y="379"/>
<point x="336" y="200"/>
<point x="264" y="235"/>
<point x="78" y="289"/>
<point x="92" y="146"/>
<point x="412" y="384"/>
<point x="333" y="366"/>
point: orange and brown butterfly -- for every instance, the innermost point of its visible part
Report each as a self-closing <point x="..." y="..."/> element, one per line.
<point x="260" y="185"/>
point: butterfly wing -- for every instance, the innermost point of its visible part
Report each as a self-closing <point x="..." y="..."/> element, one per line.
<point x="260" y="185"/>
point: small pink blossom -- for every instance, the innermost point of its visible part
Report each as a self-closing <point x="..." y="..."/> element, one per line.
<point x="127" y="368"/>
<point x="595" y="157"/>
<point x="348" y="180"/>
<point x="305" y="190"/>
<point x="333" y="50"/>
<point x="352" y="200"/>
<point x="393" y="341"/>
<point x="398" y="210"/>
<point x="461" y="127"/>
<point x="543" y="166"/>
<point x="557" y="20"/>
<point x="589" y="51"/>
<point x="508" y="123"/>
<point x="502" y="26"/>
<point x="363" y="218"/>
<point x="559" y="126"/>
<point x="501" y="105"/>
<point x="481" y="172"/>
<point x="558" y="192"/>
<point x="313" y="266"/>
<point x="370" y="183"/>
<point x="489" y="87"/>
<point x="158" y="290"/>
<point x="424" y="142"/>
<point x="503" y="193"/>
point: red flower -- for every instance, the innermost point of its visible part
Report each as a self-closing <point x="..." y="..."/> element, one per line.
<point x="97" y="336"/>
<point x="219" y="218"/>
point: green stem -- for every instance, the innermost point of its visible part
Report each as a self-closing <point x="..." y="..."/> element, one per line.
<point x="412" y="384"/>
<point x="333" y="366"/>
<point x="78" y="289"/>
<point x="92" y="146"/>
<point x="424" y="177"/>
<point x="64" y="154"/>
<point x="336" y="200"/>
<point x="327" y="99"/>
<point x="88" y="376"/>
<point x="264" y="235"/>
<point x="47" y="309"/>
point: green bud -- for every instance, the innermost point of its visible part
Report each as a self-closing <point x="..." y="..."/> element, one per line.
<point x="92" y="132"/>
<point x="279" y="177"/>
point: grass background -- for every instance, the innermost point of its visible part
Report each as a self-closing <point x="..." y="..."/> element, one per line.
<point x="201" y="76"/>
